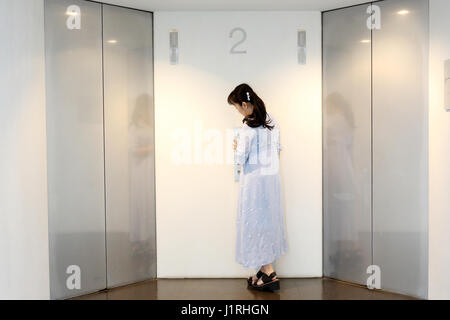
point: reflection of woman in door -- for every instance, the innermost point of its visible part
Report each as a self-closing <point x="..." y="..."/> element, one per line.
<point x="261" y="237"/>
<point x="141" y="182"/>
<point x="339" y="135"/>
<point x="341" y="185"/>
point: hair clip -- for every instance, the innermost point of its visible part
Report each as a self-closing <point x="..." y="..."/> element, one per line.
<point x="248" y="96"/>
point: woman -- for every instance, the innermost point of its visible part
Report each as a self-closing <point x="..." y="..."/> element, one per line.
<point x="261" y="236"/>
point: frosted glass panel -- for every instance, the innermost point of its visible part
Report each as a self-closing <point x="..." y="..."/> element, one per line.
<point x="129" y="145"/>
<point x="75" y="146"/>
<point x="400" y="183"/>
<point x="347" y="144"/>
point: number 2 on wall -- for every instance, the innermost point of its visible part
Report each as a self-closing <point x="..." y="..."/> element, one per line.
<point x="244" y="37"/>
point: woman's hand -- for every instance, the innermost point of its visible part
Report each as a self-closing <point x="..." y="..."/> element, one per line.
<point x="235" y="144"/>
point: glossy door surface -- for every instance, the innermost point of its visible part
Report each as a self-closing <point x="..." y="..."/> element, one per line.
<point x="75" y="148"/>
<point x="129" y="145"/>
<point x="347" y="144"/>
<point x="400" y="144"/>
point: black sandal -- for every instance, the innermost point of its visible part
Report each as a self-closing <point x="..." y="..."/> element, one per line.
<point x="269" y="283"/>
<point x="258" y="275"/>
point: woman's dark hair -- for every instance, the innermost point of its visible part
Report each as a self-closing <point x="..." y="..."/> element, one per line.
<point x="244" y="93"/>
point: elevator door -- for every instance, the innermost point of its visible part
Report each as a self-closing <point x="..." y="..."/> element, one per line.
<point x="400" y="142"/>
<point x="375" y="144"/>
<point x="347" y="250"/>
<point x="75" y="147"/>
<point x="99" y="63"/>
<point x="129" y="145"/>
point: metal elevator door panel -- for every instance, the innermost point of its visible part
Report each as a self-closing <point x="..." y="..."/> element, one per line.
<point x="129" y="145"/>
<point x="73" y="40"/>
<point x="375" y="119"/>
<point x="400" y="145"/>
<point x="347" y="248"/>
<point x="100" y="141"/>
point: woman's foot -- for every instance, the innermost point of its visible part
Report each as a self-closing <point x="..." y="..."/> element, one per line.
<point x="267" y="282"/>
<point x="252" y="280"/>
<point x="261" y="282"/>
<point x="267" y="269"/>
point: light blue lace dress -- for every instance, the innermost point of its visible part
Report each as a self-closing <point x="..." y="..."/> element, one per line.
<point x="260" y="226"/>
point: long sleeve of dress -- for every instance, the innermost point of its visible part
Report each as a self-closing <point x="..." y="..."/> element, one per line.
<point x="243" y="147"/>
<point x="279" y="146"/>
<point x="276" y="133"/>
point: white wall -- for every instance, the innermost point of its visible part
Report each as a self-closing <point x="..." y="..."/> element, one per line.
<point x="439" y="161"/>
<point x="196" y="202"/>
<point x="24" y="270"/>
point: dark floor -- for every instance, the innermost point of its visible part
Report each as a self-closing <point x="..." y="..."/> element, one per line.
<point x="236" y="289"/>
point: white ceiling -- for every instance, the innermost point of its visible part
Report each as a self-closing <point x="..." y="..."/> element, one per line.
<point x="238" y="5"/>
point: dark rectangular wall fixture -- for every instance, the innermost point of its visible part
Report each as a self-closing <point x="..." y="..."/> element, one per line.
<point x="301" y="46"/>
<point x="173" y="41"/>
